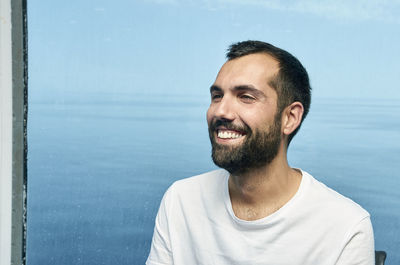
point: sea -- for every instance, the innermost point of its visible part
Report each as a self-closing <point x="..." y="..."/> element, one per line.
<point x="98" y="166"/>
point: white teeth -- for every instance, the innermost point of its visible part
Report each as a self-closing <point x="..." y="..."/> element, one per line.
<point x="228" y="135"/>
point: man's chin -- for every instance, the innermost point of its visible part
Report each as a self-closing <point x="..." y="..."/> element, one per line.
<point x="227" y="157"/>
<point x="231" y="167"/>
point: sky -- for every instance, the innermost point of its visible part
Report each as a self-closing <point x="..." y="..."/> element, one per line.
<point x="156" y="47"/>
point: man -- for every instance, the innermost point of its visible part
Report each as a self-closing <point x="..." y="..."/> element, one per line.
<point x="258" y="210"/>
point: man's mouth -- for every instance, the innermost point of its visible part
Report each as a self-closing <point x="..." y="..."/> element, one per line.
<point x="229" y="134"/>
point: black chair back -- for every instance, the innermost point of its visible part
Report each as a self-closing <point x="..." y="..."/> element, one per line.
<point x="380" y="257"/>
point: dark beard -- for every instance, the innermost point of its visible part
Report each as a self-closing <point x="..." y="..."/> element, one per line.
<point x="258" y="149"/>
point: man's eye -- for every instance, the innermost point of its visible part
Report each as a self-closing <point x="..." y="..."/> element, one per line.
<point x="247" y="98"/>
<point x="216" y="96"/>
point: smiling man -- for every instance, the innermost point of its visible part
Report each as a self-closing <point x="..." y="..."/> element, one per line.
<point x="257" y="209"/>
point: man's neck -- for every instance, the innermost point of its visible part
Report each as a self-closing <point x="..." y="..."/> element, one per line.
<point x="260" y="192"/>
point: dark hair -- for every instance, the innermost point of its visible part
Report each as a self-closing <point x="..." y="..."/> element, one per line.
<point x="291" y="83"/>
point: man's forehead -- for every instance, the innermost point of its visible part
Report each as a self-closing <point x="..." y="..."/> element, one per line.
<point x="258" y="67"/>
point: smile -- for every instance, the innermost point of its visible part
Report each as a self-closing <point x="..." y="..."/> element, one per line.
<point x="228" y="134"/>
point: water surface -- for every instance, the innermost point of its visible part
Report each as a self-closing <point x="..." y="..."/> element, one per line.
<point x="98" y="167"/>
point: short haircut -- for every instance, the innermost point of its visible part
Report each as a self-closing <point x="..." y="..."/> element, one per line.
<point x="291" y="83"/>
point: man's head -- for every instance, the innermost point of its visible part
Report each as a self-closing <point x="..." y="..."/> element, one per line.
<point x="291" y="82"/>
<point x="253" y="89"/>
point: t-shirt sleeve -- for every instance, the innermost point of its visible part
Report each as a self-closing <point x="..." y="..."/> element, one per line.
<point x="360" y="248"/>
<point x="160" y="251"/>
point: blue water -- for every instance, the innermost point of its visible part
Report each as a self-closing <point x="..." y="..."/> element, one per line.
<point x="98" y="167"/>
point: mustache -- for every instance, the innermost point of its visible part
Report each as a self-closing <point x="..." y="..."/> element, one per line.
<point x="228" y="125"/>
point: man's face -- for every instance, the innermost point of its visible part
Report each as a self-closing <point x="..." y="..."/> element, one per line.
<point x="244" y="126"/>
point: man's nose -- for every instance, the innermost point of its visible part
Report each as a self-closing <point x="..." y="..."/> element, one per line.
<point x="225" y="109"/>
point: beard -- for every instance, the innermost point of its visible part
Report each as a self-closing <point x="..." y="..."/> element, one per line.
<point x="258" y="149"/>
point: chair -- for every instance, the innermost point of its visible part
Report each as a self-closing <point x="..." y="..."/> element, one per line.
<point x="380" y="257"/>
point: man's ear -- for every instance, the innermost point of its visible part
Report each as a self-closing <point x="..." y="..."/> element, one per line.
<point x="291" y="117"/>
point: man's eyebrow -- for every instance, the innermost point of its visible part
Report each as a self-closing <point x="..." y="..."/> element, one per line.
<point x="240" y="88"/>
<point x="215" y="88"/>
<point x="250" y="89"/>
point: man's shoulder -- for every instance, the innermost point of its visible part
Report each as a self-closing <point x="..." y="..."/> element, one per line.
<point x="204" y="189"/>
<point x="206" y="183"/>
<point x="329" y="200"/>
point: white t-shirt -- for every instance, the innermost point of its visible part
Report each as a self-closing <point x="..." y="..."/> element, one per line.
<point x="196" y="225"/>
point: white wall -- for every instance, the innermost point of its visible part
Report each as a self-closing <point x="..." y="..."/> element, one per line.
<point x="5" y="132"/>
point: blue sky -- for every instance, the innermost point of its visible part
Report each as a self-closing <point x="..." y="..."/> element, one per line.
<point x="350" y="48"/>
